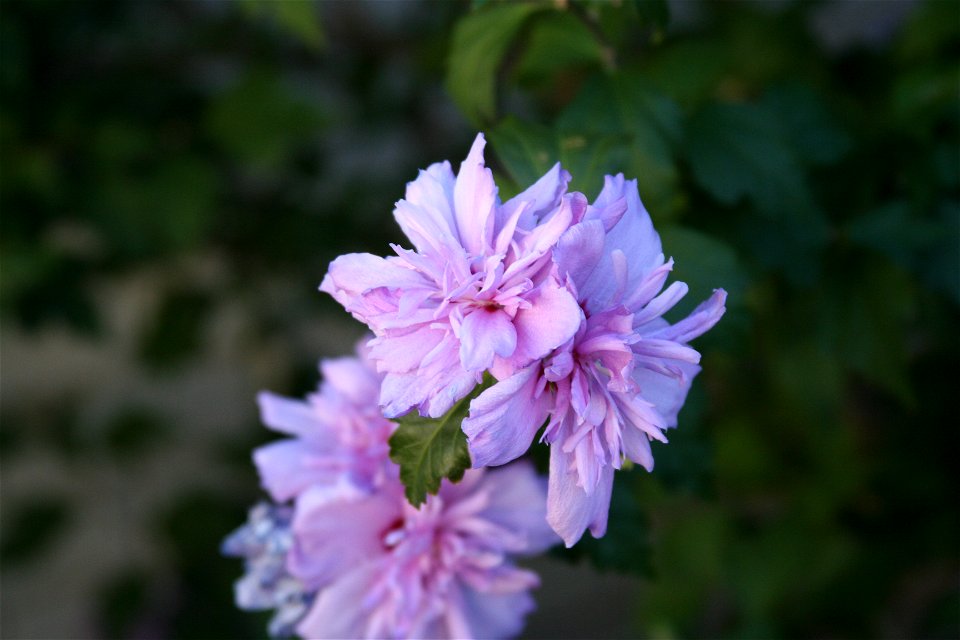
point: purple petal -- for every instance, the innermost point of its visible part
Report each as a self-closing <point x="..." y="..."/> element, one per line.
<point x="518" y="503"/>
<point x="504" y="419"/>
<point x="294" y="417"/>
<point x="332" y="537"/>
<point x="475" y="197"/>
<point x="570" y="511"/>
<point x="579" y="250"/>
<point x="338" y="612"/>
<point x="701" y="320"/>
<point x="542" y="197"/>
<point x="426" y="212"/>
<point x="286" y="471"/>
<point x="352" y="379"/>
<point x="552" y="318"/>
<point x="483" y="334"/>
<point x="492" y="615"/>
<point x="665" y="392"/>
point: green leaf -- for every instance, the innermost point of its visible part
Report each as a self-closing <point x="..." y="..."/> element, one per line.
<point x="558" y="41"/>
<point x="480" y="41"/>
<point x="811" y="129"/>
<point x="298" y="17"/>
<point x="526" y="150"/>
<point x="637" y="126"/>
<point x="430" y="449"/>
<point x="741" y="151"/>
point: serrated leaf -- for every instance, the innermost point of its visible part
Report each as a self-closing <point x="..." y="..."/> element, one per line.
<point x="431" y="449"/>
<point x="480" y="40"/>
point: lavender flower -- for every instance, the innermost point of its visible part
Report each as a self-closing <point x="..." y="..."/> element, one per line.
<point x="264" y="543"/>
<point x="384" y="569"/>
<point x="352" y="558"/>
<point x="480" y="292"/>
<point x="340" y="437"/>
<point x="614" y="386"/>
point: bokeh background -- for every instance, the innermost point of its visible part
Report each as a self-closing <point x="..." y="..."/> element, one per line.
<point x="177" y="175"/>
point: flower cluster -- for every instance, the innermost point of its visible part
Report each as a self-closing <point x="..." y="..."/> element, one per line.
<point x="559" y="299"/>
<point x="348" y="557"/>
<point x="553" y="305"/>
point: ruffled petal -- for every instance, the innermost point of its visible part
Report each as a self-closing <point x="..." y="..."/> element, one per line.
<point x="570" y="511"/>
<point x="296" y="418"/>
<point x="518" y="503"/>
<point x="701" y="320"/>
<point x="552" y="318"/>
<point x="332" y="537"/>
<point x="483" y="334"/>
<point x="539" y="199"/>
<point x="667" y="393"/>
<point x="338" y="611"/>
<point x="352" y="379"/>
<point x="505" y="418"/>
<point x="493" y="615"/>
<point x="475" y="197"/>
<point x="286" y="471"/>
<point x="579" y="250"/>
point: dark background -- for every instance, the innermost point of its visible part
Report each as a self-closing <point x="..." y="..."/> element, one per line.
<point x="176" y="176"/>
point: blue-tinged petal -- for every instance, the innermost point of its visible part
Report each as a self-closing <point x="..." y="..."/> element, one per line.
<point x="701" y="320"/>
<point x="518" y="503"/>
<point x="505" y="418"/>
<point x="570" y="511"/>
<point x="579" y="250"/>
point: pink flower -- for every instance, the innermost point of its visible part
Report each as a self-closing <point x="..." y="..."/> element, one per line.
<point x="340" y="437"/>
<point x="383" y="569"/>
<point x="479" y="292"/>
<point x="614" y="386"/>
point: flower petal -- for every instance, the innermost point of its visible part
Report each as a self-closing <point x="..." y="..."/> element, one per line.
<point x="552" y="318"/>
<point x="579" y="250"/>
<point x="570" y="511"/>
<point x="518" y="503"/>
<point x="294" y="417"/>
<point x="332" y="537"/>
<point x="337" y="612"/>
<point x="701" y="320"/>
<point x="505" y="418"/>
<point x="483" y="334"/>
<point x="285" y="469"/>
<point x="474" y="198"/>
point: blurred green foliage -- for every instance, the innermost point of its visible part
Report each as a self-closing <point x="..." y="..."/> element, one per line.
<point x="811" y="488"/>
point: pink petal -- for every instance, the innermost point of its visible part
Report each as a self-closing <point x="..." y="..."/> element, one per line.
<point x="337" y="612"/>
<point x="505" y="418"/>
<point x="426" y="212"/>
<point x="294" y="417"/>
<point x="353" y="379"/>
<point x="483" y="334"/>
<point x="285" y="469"/>
<point x="552" y="318"/>
<point x="570" y="511"/>
<point x="332" y="537"/>
<point x="474" y="198"/>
